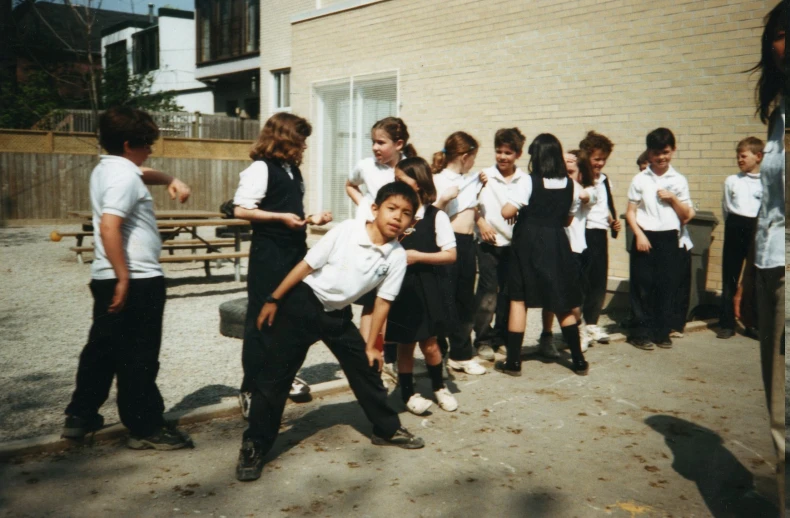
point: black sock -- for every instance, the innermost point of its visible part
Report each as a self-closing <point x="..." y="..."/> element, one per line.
<point x="390" y="352"/>
<point x="571" y="336"/>
<point x="514" y="341"/>
<point x="546" y="333"/>
<point x="435" y="373"/>
<point x="406" y="383"/>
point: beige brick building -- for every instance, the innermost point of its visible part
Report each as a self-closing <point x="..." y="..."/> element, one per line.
<point x="621" y="67"/>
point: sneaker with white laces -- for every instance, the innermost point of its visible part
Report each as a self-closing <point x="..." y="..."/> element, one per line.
<point x="467" y="366"/>
<point x="446" y="401"/>
<point x="245" y="399"/>
<point x="597" y="334"/>
<point x="300" y="391"/>
<point x="418" y="405"/>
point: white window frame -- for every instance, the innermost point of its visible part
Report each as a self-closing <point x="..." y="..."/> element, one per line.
<point x="317" y="151"/>
<point x="276" y="90"/>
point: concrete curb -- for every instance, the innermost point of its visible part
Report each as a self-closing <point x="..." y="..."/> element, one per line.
<point x="54" y="443"/>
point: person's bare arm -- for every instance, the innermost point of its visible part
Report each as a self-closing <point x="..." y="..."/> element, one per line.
<point x="640" y="239"/>
<point x="354" y="192"/>
<point x="175" y="187"/>
<point x="290" y="220"/>
<point x="684" y="212"/>
<point x="435" y="258"/>
<point x="381" y="308"/>
<point x="112" y="240"/>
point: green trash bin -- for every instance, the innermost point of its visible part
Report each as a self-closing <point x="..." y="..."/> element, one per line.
<point x="701" y="233"/>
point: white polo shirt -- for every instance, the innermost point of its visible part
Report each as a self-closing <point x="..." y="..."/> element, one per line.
<point x="769" y="240"/>
<point x="521" y="193"/>
<point x="653" y="214"/>
<point x="446" y="179"/>
<point x="445" y="236"/>
<point x="253" y="184"/>
<point x="598" y="216"/>
<point x="347" y="265"/>
<point x="576" y="229"/>
<point x="742" y="195"/>
<point x="373" y="176"/>
<point x="117" y="188"/>
<point x="493" y="197"/>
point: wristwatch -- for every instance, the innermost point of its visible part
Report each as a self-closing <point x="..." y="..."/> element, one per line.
<point x="271" y="300"/>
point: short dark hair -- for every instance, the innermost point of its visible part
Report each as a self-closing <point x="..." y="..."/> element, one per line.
<point x="392" y="189"/>
<point x="121" y="124"/>
<point x="642" y="158"/>
<point x="660" y="138"/>
<point x="510" y="137"/>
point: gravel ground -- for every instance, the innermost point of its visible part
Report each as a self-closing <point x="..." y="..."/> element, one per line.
<point x="45" y="315"/>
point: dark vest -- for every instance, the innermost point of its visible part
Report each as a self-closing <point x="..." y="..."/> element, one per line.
<point x="422" y="238"/>
<point x="282" y="195"/>
<point x="547" y="207"/>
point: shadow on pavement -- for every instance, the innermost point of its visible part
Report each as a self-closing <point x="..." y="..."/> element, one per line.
<point x="725" y="484"/>
<point x="208" y="395"/>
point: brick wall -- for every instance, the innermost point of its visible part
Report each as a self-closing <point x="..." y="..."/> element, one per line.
<point x="621" y="67"/>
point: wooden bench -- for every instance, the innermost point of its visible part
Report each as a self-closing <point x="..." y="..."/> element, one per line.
<point x="206" y="258"/>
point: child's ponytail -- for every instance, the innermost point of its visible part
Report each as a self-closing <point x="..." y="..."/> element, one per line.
<point x="458" y="144"/>
<point x="396" y="130"/>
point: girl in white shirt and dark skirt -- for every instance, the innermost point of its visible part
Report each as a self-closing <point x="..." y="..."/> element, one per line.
<point x="543" y="271"/>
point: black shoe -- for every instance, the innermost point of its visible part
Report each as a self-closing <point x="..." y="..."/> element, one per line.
<point x="402" y="439"/>
<point x="580" y="366"/>
<point x="76" y="428"/>
<point x="165" y="438"/>
<point x="641" y="343"/>
<point x="725" y="333"/>
<point x="546" y="346"/>
<point x="250" y="462"/>
<point x="751" y="332"/>
<point x="300" y="391"/>
<point x="504" y="368"/>
<point x="665" y="342"/>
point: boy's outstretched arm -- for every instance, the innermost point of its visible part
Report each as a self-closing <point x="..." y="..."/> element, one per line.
<point x="381" y="309"/>
<point x="294" y="277"/>
<point x="175" y="187"/>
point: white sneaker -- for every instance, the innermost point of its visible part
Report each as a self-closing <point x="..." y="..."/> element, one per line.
<point x="485" y="352"/>
<point x="418" y="405"/>
<point x="467" y="366"/>
<point x="446" y="401"/>
<point x="584" y="338"/>
<point x="597" y="334"/>
<point x="676" y="334"/>
<point x="300" y="390"/>
<point x="245" y="398"/>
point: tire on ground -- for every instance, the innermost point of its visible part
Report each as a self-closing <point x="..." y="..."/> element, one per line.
<point x="231" y="317"/>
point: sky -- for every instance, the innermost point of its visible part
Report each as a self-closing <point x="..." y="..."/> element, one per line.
<point x="138" y="6"/>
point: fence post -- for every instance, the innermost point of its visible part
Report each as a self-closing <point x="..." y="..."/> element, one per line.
<point x="196" y="126"/>
<point x="51" y="141"/>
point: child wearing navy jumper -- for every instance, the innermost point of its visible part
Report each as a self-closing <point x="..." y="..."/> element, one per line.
<point x="543" y="271"/>
<point x="270" y="195"/>
<point x="740" y="206"/>
<point x="419" y="313"/>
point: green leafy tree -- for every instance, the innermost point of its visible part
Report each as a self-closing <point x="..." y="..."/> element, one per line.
<point x="25" y="103"/>
<point x="119" y="87"/>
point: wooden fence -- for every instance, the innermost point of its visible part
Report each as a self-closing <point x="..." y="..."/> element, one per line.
<point x="45" y="175"/>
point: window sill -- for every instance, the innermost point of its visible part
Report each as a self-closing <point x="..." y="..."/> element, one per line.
<point x="339" y="7"/>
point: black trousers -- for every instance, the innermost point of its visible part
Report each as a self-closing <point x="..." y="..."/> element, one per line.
<point x="461" y="291"/>
<point x="682" y="298"/>
<point x="595" y="271"/>
<point x="300" y="322"/>
<point x="125" y="345"/>
<point x="270" y="261"/>
<point x="653" y="285"/>
<point x="738" y="237"/>
<point x="491" y="297"/>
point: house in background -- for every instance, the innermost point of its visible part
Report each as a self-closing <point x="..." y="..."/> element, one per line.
<point x="228" y="54"/>
<point x="163" y="46"/>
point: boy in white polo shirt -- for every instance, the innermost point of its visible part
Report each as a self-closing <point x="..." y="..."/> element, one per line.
<point x="659" y="203"/>
<point x="313" y="303"/>
<point x="740" y="206"/>
<point x="128" y="288"/>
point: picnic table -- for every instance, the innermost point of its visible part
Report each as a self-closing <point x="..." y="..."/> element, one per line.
<point x="171" y="224"/>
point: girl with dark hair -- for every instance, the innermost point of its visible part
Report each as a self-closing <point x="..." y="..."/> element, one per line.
<point x="543" y="272"/>
<point x="270" y="195"/>
<point x="770" y="238"/>
<point x="418" y="315"/>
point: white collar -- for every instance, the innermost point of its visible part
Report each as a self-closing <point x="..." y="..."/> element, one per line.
<point x="753" y="176"/>
<point x="420" y="213"/>
<point x="363" y="239"/>
<point x="451" y="175"/>
<point x="121" y="161"/>
<point x="494" y="174"/>
<point x="670" y="172"/>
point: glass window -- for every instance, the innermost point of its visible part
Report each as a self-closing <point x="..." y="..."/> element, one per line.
<point x="227" y="28"/>
<point x="282" y="89"/>
<point x="345" y="113"/>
